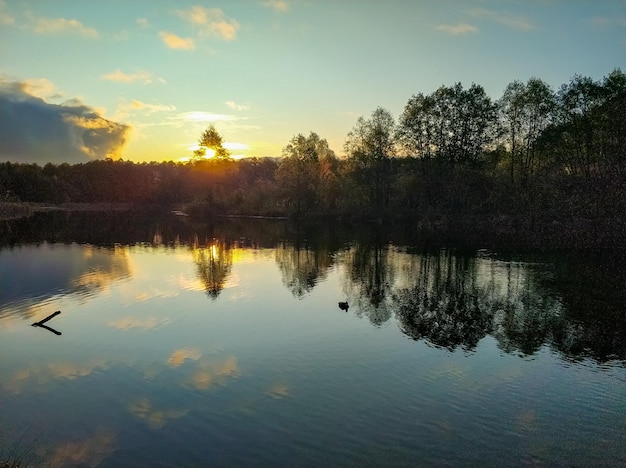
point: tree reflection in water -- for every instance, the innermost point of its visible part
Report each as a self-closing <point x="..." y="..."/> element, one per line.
<point x="214" y="263"/>
<point x="573" y="302"/>
<point x="369" y="280"/>
<point x="527" y="316"/>
<point x="592" y="287"/>
<point x="445" y="304"/>
<point x="455" y="300"/>
<point x="302" y="267"/>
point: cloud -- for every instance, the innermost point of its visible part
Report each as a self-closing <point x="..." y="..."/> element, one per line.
<point x="179" y="356"/>
<point x="235" y="106"/>
<point x="143" y="22"/>
<point x="40" y="87"/>
<point x="211" y="373"/>
<point x="457" y="29"/>
<point x="150" y="108"/>
<point x="200" y="116"/>
<point x="520" y="23"/>
<point x="34" y="130"/>
<point x="235" y="146"/>
<point x="211" y="21"/>
<point x="87" y="452"/>
<point x="128" y="323"/>
<point x="61" y="25"/>
<point x="154" y="417"/>
<point x="42" y="374"/>
<point x="277" y="5"/>
<point x="121" y="77"/>
<point x="71" y="371"/>
<point x="176" y="42"/>
<point x="5" y="18"/>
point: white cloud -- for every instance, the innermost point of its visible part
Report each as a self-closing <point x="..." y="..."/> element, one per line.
<point x="61" y="25"/>
<point x="176" y="42"/>
<point x="234" y="146"/>
<point x="457" y="29"/>
<point x="277" y="5"/>
<point x="135" y="106"/>
<point x="143" y="22"/>
<point x="200" y="116"/>
<point x="41" y="88"/>
<point x="150" y="108"/>
<point x="121" y="77"/>
<point x="520" y="23"/>
<point x="235" y="106"/>
<point x="211" y="21"/>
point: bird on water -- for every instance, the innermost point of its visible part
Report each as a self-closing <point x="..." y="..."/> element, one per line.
<point x="344" y="306"/>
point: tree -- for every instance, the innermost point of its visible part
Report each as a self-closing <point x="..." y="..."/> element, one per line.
<point x="299" y="174"/>
<point x="569" y="143"/>
<point x="612" y="118"/>
<point x="452" y="124"/>
<point x="511" y="110"/>
<point x="370" y="146"/>
<point x="211" y="140"/>
<point x="526" y="109"/>
<point x="416" y="127"/>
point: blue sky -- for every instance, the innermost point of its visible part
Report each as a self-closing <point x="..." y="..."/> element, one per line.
<point x="145" y="78"/>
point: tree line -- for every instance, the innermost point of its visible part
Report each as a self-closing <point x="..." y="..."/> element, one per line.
<point x="535" y="162"/>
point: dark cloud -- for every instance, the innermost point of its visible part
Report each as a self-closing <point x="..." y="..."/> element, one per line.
<point x="33" y="130"/>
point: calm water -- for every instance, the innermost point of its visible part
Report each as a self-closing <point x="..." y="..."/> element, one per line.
<point x="185" y="344"/>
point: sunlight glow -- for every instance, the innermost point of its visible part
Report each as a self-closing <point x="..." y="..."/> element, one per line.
<point x="209" y="152"/>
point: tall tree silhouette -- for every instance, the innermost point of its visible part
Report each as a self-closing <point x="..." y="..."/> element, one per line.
<point x="211" y="140"/>
<point x="370" y="146"/>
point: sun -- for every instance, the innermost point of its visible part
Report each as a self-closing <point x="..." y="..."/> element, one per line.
<point x="208" y="152"/>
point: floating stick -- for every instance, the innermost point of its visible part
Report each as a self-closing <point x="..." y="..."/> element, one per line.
<point x="40" y="324"/>
<point x="51" y="316"/>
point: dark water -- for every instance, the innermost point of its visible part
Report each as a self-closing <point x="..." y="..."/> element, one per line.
<point x="187" y="344"/>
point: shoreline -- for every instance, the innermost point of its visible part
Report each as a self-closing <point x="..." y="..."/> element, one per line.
<point x="464" y="228"/>
<point x="17" y="210"/>
<point x="47" y="207"/>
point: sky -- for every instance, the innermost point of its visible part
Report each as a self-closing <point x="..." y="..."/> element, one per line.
<point x="142" y="79"/>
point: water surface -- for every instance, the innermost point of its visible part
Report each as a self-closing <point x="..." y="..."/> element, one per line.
<point x="183" y="343"/>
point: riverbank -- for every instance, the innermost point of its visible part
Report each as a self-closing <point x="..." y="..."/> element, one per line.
<point x="44" y="207"/>
<point x="13" y="210"/>
<point x="16" y="210"/>
<point x="504" y="230"/>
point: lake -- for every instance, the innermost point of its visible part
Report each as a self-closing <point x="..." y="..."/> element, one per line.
<point x="181" y="343"/>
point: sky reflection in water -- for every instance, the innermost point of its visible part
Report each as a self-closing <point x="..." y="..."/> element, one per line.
<point x="224" y="353"/>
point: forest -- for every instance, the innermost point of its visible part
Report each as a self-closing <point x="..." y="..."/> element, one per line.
<point x="537" y="166"/>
